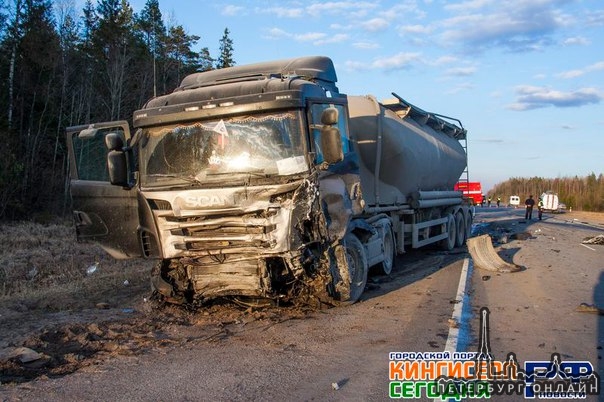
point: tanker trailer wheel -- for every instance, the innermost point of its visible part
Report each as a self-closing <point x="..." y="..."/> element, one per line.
<point x="460" y="225"/>
<point x="468" y="225"/>
<point x="357" y="267"/>
<point x="389" y="249"/>
<point x="449" y="242"/>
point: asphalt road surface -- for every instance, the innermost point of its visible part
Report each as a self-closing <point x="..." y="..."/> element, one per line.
<point x="342" y="354"/>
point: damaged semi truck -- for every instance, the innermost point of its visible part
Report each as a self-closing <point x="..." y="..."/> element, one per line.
<point x="264" y="182"/>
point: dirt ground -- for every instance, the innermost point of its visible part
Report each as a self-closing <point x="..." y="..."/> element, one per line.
<point x="53" y="324"/>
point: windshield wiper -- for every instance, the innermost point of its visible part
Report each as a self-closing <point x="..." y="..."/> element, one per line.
<point x="188" y="179"/>
<point x="256" y="173"/>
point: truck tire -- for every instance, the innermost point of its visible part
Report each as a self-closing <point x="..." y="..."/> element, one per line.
<point x="468" y="225"/>
<point x="357" y="267"/>
<point x="389" y="250"/>
<point x="460" y="225"/>
<point x="449" y="242"/>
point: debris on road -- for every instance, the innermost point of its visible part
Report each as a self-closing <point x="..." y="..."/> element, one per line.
<point x="484" y="255"/>
<point x="589" y="308"/>
<point x="22" y="354"/>
<point x="92" y="268"/>
<point x="599" y="239"/>
<point x="453" y="323"/>
<point x="521" y="236"/>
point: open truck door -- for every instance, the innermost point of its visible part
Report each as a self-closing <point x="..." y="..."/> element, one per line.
<point x="103" y="212"/>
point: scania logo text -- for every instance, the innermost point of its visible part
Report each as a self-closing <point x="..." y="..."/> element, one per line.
<point x="201" y="201"/>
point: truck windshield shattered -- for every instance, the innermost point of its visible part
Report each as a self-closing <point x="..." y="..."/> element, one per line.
<point x="229" y="149"/>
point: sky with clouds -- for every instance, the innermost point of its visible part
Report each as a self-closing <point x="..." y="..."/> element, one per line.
<point x="525" y="77"/>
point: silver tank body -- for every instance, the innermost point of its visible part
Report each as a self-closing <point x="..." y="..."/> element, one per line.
<point x="407" y="157"/>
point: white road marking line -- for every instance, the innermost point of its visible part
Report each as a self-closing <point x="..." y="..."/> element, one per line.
<point x="592" y="249"/>
<point x="454" y="331"/>
<point x="458" y="331"/>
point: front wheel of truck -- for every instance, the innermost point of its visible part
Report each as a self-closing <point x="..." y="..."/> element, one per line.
<point x="357" y="267"/>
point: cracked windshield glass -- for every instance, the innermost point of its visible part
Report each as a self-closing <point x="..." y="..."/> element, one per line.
<point x="222" y="150"/>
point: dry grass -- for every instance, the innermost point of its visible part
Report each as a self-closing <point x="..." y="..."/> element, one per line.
<point x="43" y="267"/>
<point x="591" y="217"/>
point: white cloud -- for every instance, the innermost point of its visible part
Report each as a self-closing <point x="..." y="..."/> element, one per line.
<point x="459" y="88"/>
<point x="285" y="12"/>
<point x="340" y="8"/>
<point x="467" y="6"/>
<point x="577" y="40"/>
<point x="398" y="61"/>
<point x="375" y="24"/>
<point x="461" y="71"/>
<point x="516" y="25"/>
<point x="231" y="10"/>
<point x="277" y="33"/>
<point x="338" y="38"/>
<point x="408" y="8"/>
<point x="340" y="27"/>
<point x="415" y="29"/>
<point x="444" y="60"/>
<point x="579" y="72"/>
<point x="366" y="45"/>
<point x="317" y="38"/>
<point x="356" y="65"/>
<point x="532" y="97"/>
<point x="595" y="18"/>
<point x="309" y="36"/>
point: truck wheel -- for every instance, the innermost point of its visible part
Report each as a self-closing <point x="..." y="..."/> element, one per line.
<point x="389" y="250"/>
<point x="357" y="266"/>
<point x="460" y="225"/>
<point x="468" y="225"/>
<point x="449" y="242"/>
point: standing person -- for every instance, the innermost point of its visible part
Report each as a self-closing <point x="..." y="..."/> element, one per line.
<point x="540" y="208"/>
<point x="529" y="204"/>
<point x="498" y="201"/>
<point x="489" y="202"/>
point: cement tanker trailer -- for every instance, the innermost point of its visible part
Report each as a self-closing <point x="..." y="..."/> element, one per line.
<point x="265" y="183"/>
<point x="410" y="162"/>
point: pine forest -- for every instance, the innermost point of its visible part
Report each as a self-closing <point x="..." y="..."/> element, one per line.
<point x="578" y="193"/>
<point x="63" y="67"/>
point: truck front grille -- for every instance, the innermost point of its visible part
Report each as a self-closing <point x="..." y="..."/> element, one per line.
<point x="225" y="234"/>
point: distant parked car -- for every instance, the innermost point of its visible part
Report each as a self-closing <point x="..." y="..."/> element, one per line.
<point x="561" y="208"/>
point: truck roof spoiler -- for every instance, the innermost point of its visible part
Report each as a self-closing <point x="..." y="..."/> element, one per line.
<point x="319" y="69"/>
<point x="403" y="108"/>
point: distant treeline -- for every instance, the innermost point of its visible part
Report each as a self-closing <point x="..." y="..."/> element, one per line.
<point x="578" y="193"/>
<point x="60" y="67"/>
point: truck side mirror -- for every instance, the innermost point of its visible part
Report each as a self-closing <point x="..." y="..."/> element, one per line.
<point x="331" y="142"/>
<point x="331" y="145"/>
<point x="117" y="160"/>
<point x="114" y="142"/>
<point x="329" y="116"/>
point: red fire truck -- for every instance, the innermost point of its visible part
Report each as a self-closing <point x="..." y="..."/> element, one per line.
<point x="471" y="190"/>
